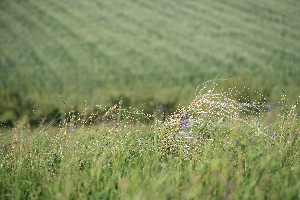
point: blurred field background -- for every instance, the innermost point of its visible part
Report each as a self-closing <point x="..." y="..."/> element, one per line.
<point x="101" y="51"/>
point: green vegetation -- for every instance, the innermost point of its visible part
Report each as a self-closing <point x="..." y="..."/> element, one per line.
<point x="100" y="51"/>
<point x="59" y="57"/>
<point x="209" y="149"/>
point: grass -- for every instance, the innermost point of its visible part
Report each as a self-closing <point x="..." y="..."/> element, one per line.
<point x="63" y="58"/>
<point x="101" y="51"/>
<point x="213" y="148"/>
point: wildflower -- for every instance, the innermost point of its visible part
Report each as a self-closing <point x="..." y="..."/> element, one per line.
<point x="183" y="123"/>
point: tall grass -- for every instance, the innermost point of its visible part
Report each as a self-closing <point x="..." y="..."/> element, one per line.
<point x="214" y="148"/>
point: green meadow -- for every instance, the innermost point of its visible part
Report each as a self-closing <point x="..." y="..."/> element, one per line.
<point x="149" y="99"/>
<point x="102" y="51"/>
<point x="209" y="149"/>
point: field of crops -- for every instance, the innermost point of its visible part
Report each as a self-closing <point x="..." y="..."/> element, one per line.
<point x="100" y="51"/>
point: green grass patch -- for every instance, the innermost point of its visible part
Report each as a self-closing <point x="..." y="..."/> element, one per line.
<point x="99" y="51"/>
<point x="213" y="148"/>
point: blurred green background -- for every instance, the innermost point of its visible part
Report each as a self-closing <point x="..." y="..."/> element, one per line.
<point x="100" y="51"/>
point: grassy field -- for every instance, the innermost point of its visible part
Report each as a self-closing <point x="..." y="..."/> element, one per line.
<point x="68" y="60"/>
<point x="209" y="149"/>
<point x="100" y="51"/>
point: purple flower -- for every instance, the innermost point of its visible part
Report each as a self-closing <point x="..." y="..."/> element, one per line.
<point x="183" y="123"/>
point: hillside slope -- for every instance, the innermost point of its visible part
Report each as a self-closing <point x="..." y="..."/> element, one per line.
<point x="101" y="50"/>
